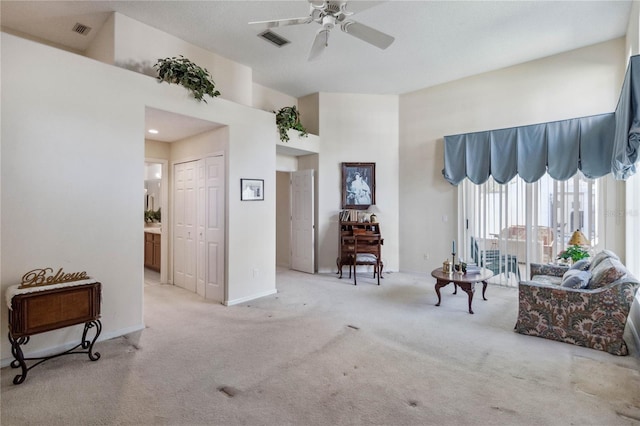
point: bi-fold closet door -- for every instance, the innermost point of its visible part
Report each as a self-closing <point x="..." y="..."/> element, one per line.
<point x="199" y="224"/>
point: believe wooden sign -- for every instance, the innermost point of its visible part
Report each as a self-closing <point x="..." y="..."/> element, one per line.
<point x="45" y="276"/>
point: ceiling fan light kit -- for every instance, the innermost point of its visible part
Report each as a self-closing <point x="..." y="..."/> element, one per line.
<point x="329" y="14"/>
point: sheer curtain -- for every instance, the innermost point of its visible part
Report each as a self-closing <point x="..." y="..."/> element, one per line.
<point x="508" y="226"/>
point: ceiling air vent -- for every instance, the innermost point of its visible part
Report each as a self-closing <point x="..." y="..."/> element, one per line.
<point x="274" y="38"/>
<point x="81" y="29"/>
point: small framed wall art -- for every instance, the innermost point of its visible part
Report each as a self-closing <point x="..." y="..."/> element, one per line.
<point x="251" y="189"/>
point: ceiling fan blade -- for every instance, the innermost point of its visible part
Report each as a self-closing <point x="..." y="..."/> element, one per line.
<point x="319" y="43"/>
<point x="283" y="22"/>
<point x="368" y="34"/>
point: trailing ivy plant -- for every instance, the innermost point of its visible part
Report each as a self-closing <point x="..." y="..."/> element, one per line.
<point x="180" y="70"/>
<point x="289" y="118"/>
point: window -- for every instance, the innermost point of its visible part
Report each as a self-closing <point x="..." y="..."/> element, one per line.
<point x="506" y="227"/>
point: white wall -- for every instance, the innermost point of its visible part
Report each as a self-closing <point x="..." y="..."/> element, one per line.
<point x="574" y="84"/>
<point x="357" y="128"/>
<point x="102" y="47"/>
<point x="200" y="146"/>
<point x="79" y="126"/>
<point x="138" y="47"/>
<point x="157" y="149"/>
<point x="271" y="100"/>
<point x="72" y="179"/>
<point x="309" y="112"/>
<point x="633" y="30"/>
<point x="286" y="163"/>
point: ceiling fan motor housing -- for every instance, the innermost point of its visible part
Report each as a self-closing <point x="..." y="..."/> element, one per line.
<point x="328" y="22"/>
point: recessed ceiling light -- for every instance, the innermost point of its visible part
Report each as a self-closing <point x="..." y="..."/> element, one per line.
<point x="153" y="131"/>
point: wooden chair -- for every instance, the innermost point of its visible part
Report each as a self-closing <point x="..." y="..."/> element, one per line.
<point x="367" y="251"/>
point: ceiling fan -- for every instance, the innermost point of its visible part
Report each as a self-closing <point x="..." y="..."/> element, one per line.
<point x="329" y="14"/>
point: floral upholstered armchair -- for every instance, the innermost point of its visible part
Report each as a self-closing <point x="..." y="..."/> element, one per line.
<point x="585" y="307"/>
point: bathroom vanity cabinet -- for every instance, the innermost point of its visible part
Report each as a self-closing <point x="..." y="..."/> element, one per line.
<point x="152" y="250"/>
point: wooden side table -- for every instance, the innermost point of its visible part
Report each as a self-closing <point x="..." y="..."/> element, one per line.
<point x="37" y="310"/>
<point x="465" y="281"/>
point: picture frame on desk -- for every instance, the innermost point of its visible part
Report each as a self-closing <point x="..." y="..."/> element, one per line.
<point x="251" y="189"/>
<point x="358" y="185"/>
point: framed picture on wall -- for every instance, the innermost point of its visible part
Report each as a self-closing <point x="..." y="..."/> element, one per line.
<point x="251" y="189"/>
<point x="358" y="185"/>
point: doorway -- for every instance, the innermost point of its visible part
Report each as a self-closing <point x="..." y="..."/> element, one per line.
<point x="295" y="223"/>
<point x="155" y="234"/>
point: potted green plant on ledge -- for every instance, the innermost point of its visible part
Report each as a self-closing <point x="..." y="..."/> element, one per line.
<point x="574" y="253"/>
<point x="180" y="70"/>
<point x="289" y="118"/>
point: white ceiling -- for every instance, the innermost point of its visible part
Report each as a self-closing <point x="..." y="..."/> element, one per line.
<point x="436" y="41"/>
<point x="172" y="127"/>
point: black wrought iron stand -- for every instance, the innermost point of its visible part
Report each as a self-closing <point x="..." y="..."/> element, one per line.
<point x="20" y="360"/>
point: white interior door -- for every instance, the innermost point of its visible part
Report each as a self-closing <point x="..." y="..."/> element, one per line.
<point x="201" y="272"/>
<point x="211" y="227"/>
<point x="302" y="224"/>
<point x="184" y="248"/>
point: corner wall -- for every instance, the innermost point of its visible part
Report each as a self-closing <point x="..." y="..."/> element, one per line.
<point x="581" y="82"/>
<point x="357" y="128"/>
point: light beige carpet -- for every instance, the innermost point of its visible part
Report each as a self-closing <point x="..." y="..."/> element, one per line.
<point x="325" y="352"/>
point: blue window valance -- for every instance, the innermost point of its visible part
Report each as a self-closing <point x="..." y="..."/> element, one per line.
<point x="596" y="145"/>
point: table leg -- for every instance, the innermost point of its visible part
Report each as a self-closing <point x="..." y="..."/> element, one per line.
<point x="18" y="356"/>
<point x="88" y="344"/>
<point x="455" y="288"/>
<point x="469" y="289"/>
<point x="439" y="285"/>
<point x="484" y="288"/>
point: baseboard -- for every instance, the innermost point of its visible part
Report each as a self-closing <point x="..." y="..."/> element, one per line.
<point x="66" y="346"/>
<point x="252" y="297"/>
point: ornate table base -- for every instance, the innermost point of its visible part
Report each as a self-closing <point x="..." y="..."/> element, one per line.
<point x="465" y="281"/>
<point x="19" y="360"/>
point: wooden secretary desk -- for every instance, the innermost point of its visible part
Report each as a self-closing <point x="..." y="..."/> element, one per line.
<point x="347" y="241"/>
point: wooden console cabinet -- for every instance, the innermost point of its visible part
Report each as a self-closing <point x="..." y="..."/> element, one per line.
<point x="346" y="248"/>
<point x="46" y="310"/>
<point x="152" y="251"/>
